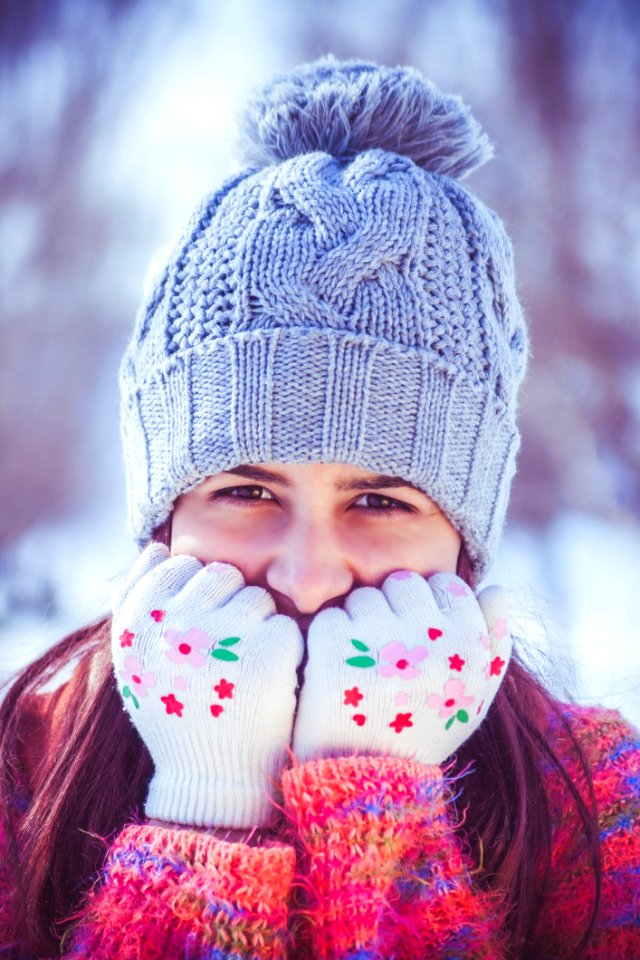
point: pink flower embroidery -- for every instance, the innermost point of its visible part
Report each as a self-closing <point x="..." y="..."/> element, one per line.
<point x="457" y="588"/>
<point x="452" y="700"/>
<point x="499" y="631"/>
<point x="402" y="662"/>
<point x="134" y="675"/>
<point x="192" y="646"/>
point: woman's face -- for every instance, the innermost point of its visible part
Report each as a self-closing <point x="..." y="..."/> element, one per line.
<point x="311" y="533"/>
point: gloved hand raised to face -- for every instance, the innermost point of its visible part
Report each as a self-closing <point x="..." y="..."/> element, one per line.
<point x="207" y="671"/>
<point x="409" y="670"/>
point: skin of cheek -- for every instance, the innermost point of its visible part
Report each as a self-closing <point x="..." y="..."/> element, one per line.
<point x="231" y="541"/>
<point x="426" y="544"/>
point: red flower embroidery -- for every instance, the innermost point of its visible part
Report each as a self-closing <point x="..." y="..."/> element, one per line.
<point x="224" y="689"/>
<point x="173" y="705"/>
<point x="216" y="709"/>
<point x="126" y="637"/>
<point x="495" y="667"/>
<point x="352" y="697"/>
<point x="434" y="633"/>
<point x="359" y="718"/>
<point x="456" y="662"/>
<point x="401" y="721"/>
<point x="157" y="615"/>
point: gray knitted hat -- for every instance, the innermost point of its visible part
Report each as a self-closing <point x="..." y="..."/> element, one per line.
<point x="343" y="299"/>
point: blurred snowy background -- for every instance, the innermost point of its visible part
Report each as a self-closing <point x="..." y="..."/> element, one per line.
<point x="116" y="115"/>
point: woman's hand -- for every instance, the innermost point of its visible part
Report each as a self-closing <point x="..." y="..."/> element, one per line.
<point x="409" y="670"/>
<point x="207" y="672"/>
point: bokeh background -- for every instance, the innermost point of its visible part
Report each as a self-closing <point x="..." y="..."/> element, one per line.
<point x="117" y="115"/>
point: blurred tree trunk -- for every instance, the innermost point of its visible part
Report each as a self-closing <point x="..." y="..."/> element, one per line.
<point x="66" y="70"/>
<point x="575" y="67"/>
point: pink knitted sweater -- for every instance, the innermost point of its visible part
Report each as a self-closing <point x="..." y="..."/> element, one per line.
<point x="376" y="871"/>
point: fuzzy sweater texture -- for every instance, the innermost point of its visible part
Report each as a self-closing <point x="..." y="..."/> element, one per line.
<point x="376" y="871"/>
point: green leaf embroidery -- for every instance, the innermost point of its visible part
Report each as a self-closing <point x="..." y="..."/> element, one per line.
<point x="126" y="692"/>
<point x="224" y="654"/>
<point x="359" y="645"/>
<point x="229" y="641"/>
<point x="461" y="715"/>
<point x="361" y="662"/>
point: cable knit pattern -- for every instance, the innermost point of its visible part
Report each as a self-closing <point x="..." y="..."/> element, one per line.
<point x="356" y="308"/>
<point x="382" y="870"/>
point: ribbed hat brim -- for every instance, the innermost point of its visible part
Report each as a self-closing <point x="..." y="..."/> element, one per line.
<point x="309" y="395"/>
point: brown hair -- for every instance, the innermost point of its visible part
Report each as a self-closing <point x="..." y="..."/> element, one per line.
<point x="97" y="777"/>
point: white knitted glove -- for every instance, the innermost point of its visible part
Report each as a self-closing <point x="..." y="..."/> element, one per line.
<point x="409" y="670"/>
<point x="207" y="671"/>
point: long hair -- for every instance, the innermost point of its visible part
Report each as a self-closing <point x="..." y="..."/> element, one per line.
<point x="97" y="778"/>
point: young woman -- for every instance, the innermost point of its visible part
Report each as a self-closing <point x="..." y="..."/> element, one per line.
<point x="326" y="748"/>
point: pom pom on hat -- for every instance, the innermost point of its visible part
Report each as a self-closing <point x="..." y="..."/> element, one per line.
<point x="344" y="108"/>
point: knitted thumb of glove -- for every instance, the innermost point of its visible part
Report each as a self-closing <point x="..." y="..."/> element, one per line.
<point x="409" y="670"/>
<point x="207" y="672"/>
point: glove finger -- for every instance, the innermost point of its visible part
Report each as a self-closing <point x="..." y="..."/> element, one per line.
<point x="450" y="591"/>
<point x="366" y="602"/>
<point x="328" y="625"/>
<point x="253" y="603"/>
<point x="494" y="603"/>
<point x="159" y="585"/>
<point x="408" y="593"/>
<point x="279" y="641"/>
<point x="152" y="555"/>
<point x="212" y="586"/>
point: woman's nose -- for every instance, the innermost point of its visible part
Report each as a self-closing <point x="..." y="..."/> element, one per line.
<point x="309" y="567"/>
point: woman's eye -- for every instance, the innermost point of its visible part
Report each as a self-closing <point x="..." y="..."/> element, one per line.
<point x="251" y="493"/>
<point x="242" y="493"/>
<point x="381" y="504"/>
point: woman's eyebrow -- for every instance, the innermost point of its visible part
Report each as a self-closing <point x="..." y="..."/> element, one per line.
<point x="259" y="474"/>
<point x="381" y="481"/>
